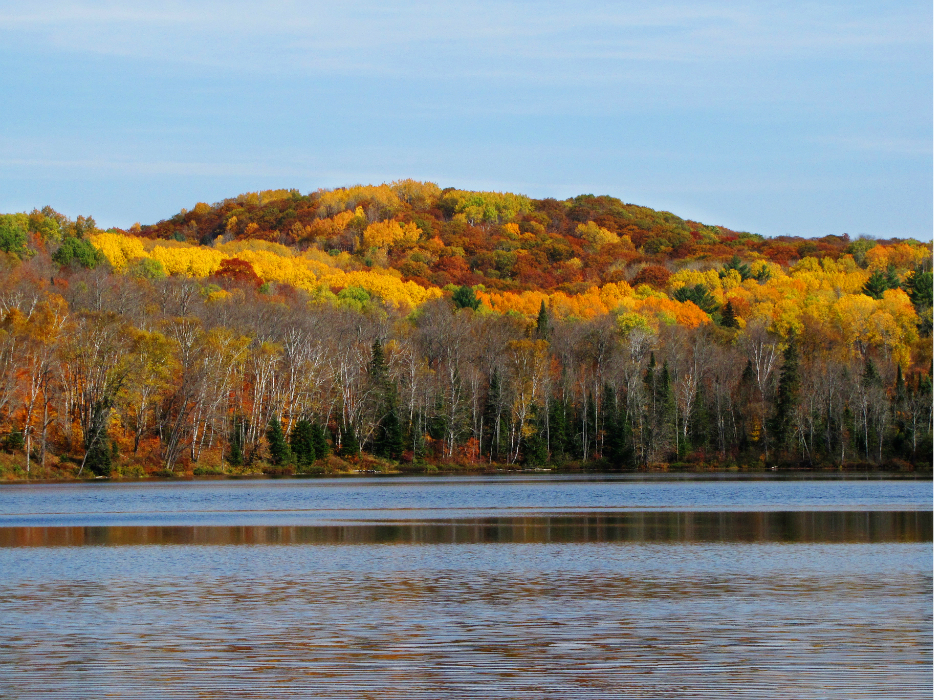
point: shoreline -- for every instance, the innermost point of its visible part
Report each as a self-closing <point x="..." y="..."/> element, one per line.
<point x="712" y="474"/>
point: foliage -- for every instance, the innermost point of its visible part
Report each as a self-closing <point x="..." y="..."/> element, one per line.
<point x="604" y="331"/>
<point x="78" y="251"/>
<point x="464" y="298"/>
<point x="13" y="230"/>
<point x="387" y="234"/>
<point x="699" y="295"/>
<point x="279" y="452"/>
<point x="302" y="443"/>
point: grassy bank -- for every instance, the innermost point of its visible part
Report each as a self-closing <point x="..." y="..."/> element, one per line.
<point x="138" y="468"/>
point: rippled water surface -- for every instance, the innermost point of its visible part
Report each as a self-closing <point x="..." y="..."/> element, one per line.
<point x="479" y="588"/>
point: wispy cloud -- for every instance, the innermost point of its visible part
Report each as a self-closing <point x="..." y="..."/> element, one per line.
<point x="492" y="39"/>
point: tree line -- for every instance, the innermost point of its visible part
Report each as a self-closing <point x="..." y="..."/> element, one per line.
<point x="99" y="370"/>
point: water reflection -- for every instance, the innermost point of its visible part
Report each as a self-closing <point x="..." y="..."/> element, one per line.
<point x="633" y="527"/>
<point x="504" y="621"/>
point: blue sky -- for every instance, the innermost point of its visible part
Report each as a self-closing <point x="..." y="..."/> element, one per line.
<point x="797" y="118"/>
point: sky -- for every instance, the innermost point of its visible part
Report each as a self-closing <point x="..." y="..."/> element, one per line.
<point x="779" y="118"/>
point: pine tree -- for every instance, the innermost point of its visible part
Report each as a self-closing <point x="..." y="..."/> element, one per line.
<point x="378" y="370"/>
<point x="464" y="298"/>
<point x="542" y="325"/>
<point x="534" y="448"/>
<point x="878" y="283"/>
<point x="613" y="440"/>
<point x="729" y="316"/>
<point x="279" y="452"/>
<point x="301" y="442"/>
<point x="319" y="441"/>
<point x="700" y="429"/>
<point x="350" y="446"/>
<point x="786" y="396"/>
<point x="389" y="442"/>
<point x="99" y="457"/>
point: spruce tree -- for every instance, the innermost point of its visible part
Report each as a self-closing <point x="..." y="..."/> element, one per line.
<point x="378" y="370"/>
<point x="786" y="396"/>
<point x="534" y="448"/>
<point x="279" y="452"/>
<point x="319" y="441"/>
<point x="729" y="316"/>
<point x="879" y="282"/>
<point x="389" y="441"/>
<point x="464" y="298"/>
<point x="301" y="441"/>
<point x="99" y="456"/>
<point x="700" y="429"/>
<point x="542" y="326"/>
<point x="613" y="439"/>
<point x="350" y="447"/>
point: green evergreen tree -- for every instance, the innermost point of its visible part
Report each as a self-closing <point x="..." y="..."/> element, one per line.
<point x="542" y="324"/>
<point x="700" y="429"/>
<point x="302" y="443"/>
<point x="786" y="397"/>
<point x="319" y="441"/>
<point x="534" y="447"/>
<point x="736" y="264"/>
<point x="729" y="316"/>
<point x="879" y="282"/>
<point x="464" y="298"/>
<point x="99" y="458"/>
<point x="613" y="438"/>
<point x="389" y="440"/>
<point x="279" y="452"/>
<point x="378" y="369"/>
<point x="919" y="285"/>
<point x="700" y="295"/>
<point x="350" y="446"/>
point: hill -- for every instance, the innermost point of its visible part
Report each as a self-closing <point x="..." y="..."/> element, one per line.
<point x="442" y="326"/>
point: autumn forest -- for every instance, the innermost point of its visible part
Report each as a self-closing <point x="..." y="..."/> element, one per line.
<point x="405" y="327"/>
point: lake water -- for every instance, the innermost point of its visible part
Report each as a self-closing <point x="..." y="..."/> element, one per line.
<point x="542" y="587"/>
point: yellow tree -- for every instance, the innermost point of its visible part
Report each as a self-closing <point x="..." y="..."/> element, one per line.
<point x="388" y="234"/>
<point x="152" y="370"/>
<point x="41" y="335"/>
<point x="528" y="364"/>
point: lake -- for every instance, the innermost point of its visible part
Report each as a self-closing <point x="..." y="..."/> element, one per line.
<point x="487" y="587"/>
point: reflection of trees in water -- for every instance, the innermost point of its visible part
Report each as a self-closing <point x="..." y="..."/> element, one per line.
<point x="633" y="527"/>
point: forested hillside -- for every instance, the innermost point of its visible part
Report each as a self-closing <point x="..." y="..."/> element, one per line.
<point x="404" y="326"/>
